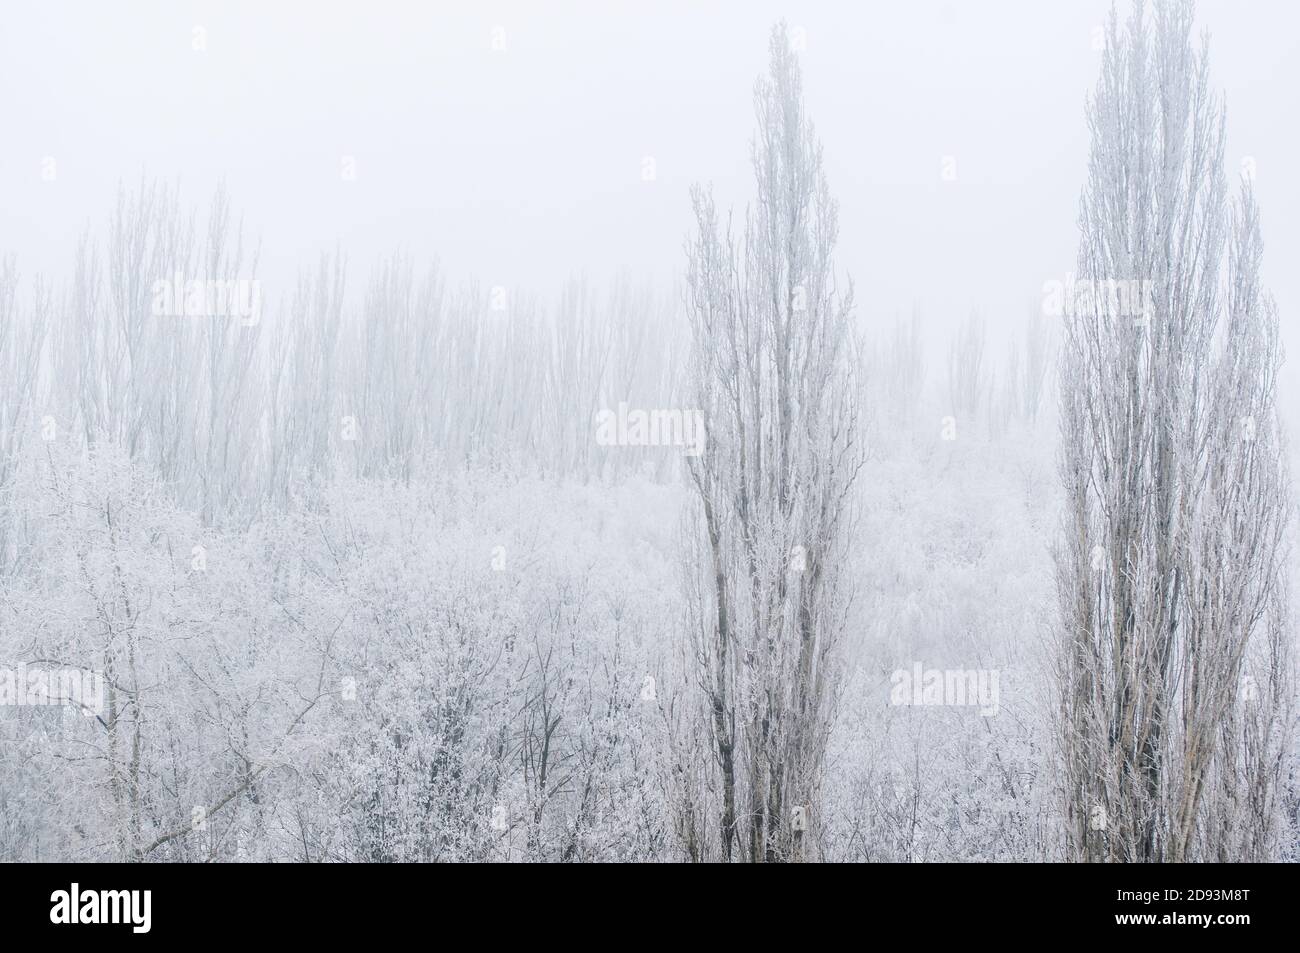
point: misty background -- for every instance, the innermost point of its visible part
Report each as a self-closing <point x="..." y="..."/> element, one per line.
<point x="523" y="166"/>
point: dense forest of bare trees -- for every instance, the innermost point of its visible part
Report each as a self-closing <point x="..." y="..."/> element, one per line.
<point x="393" y="567"/>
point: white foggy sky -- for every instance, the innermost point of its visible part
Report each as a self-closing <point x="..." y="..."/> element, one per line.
<point x="524" y="167"/>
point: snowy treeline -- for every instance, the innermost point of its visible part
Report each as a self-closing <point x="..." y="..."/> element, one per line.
<point x="356" y="580"/>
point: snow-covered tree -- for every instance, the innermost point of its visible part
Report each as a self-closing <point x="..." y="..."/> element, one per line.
<point x="774" y="358"/>
<point x="1172" y="660"/>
